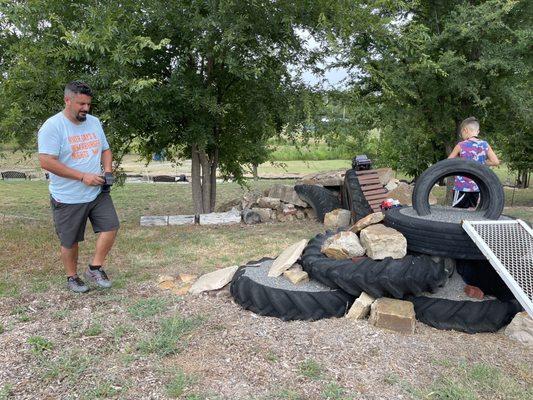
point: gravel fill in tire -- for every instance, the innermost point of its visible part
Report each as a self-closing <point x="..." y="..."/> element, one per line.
<point x="319" y="198"/>
<point x="278" y="297"/>
<point x="438" y="234"/>
<point x="356" y="200"/>
<point x="391" y="278"/>
<point x="465" y="316"/>
<point x="490" y="187"/>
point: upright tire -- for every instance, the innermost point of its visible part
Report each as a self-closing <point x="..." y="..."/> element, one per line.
<point x="490" y="187"/>
<point x="357" y="203"/>
<point x="319" y="198"/>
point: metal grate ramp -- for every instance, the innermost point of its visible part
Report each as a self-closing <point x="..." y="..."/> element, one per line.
<point x="508" y="245"/>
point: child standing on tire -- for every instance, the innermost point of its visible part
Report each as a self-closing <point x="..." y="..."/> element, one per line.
<point x="466" y="192"/>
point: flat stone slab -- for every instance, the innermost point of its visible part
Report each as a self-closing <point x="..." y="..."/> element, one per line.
<point x="181" y="219"/>
<point x="392" y="314"/>
<point x="225" y="218"/>
<point x="213" y="280"/>
<point x="287" y="258"/>
<point x="154" y="220"/>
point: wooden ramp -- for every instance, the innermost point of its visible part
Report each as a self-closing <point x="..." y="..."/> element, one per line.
<point x="372" y="188"/>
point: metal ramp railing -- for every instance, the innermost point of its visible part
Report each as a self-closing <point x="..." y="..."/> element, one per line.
<point x="508" y="245"/>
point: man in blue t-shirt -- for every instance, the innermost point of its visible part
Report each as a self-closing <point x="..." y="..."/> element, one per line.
<point x="74" y="149"/>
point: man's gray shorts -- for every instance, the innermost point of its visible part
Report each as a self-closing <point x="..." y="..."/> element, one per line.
<point x="70" y="219"/>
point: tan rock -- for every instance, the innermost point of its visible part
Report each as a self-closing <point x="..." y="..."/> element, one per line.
<point x="330" y="178"/>
<point x="289" y="209"/>
<point x="287" y="258"/>
<point x="186" y="278"/>
<point x="165" y="278"/>
<point x="269" y="202"/>
<point x="385" y="175"/>
<point x="287" y="194"/>
<point x="300" y="214"/>
<point x="338" y="218"/>
<point x="342" y="245"/>
<point x="310" y="213"/>
<point x="381" y="242"/>
<point x="404" y="193"/>
<point x="166" y="285"/>
<point x="213" y="280"/>
<point x="360" y="307"/>
<point x="264" y="213"/>
<point x="521" y="329"/>
<point x="181" y="290"/>
<point x="296" y="276"/>
<point x="396" y="315"/>
<point x="370" y="219"/>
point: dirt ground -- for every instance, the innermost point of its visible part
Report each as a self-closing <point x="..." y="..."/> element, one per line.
<point x="231" y="354"/>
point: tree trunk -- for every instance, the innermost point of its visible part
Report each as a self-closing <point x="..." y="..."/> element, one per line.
<point x="196" y="180"/>
<point x="206" y="181"/>
<point x="522" y="180"/>
<point x="213" y="177"/>
<point x="254" y="172"/>
<point x="203" y="173"/>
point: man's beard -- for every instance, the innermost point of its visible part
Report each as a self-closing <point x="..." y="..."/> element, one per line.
<point x="81" y="117"/>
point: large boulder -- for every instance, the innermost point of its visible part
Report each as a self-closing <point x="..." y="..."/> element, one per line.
<point x="404" y="192"/>
<point x="269" y="202"/>
<point x="381" y="242"/>
<point x="385" y="175"/>
<point x="330" y="178"/>
<point x="342" y="246"/>
<point x="338" y="218"/>
<point x="264" y="213"/>
<point x="521" y="329"/>
<point x="287" y="194"/>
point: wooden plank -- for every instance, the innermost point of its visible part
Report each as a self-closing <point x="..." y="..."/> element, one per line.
<point x="370" y="182"/>
<point x="370" y="187"/>
<point x="376" y="196"/>
<point x="366" y="177"/>
<point x="370" y="179"/>
<point x="376" y="191"/>
<point x="366" y="172"/>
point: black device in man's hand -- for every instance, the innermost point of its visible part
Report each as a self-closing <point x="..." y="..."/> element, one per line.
<point x="109" y="179"/>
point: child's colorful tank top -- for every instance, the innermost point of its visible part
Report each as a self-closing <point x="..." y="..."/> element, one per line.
<point x="475" y="150"/>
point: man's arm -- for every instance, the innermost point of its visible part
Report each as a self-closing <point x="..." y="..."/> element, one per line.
<point x="107" y="160"/>
<point x="52" y="164"/>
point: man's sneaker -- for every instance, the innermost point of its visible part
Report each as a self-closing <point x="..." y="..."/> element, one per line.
<point x="75" y="284"/>
<point x="99" y="277"/>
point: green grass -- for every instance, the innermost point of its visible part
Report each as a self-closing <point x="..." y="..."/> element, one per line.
<point x="170" y="338"/>
<point x="147" y="308"/>
<point x="39" y="344"/>
<point x="95" y="329"/>
<point x="178" y="384"/>
<point x="309" y="152"/>
<point x="471" y="381"/>
<point x="311" y="369"/>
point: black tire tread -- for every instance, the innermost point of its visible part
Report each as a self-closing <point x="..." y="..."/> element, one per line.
<point x="288" y="305"/>
<point x="319" y="198"/>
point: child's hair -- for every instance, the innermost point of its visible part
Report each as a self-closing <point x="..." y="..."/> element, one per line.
<point x="469" y="128"/>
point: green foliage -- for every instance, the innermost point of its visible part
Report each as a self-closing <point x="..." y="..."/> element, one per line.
<point x="94" y="329"/>
<point x="178" y="384"/>
<point x="422" y="67"/>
